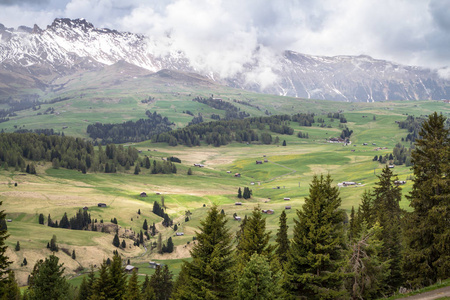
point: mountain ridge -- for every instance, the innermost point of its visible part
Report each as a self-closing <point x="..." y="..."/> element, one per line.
<point x="68" y="46"/>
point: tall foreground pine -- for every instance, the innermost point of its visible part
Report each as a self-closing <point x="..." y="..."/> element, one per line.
<point x="209" y="274"/>
<point x="314" y="268"/>
<point x="387" y="213"/>
<point x="427" y="227"/>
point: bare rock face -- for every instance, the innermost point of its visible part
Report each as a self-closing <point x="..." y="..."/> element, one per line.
<point x="67" y="46"/>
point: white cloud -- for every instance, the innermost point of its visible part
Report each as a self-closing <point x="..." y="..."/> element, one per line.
<point x="222" y="35"/>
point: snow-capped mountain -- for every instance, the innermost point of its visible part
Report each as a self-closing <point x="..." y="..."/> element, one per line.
<point x="36" y="57"/>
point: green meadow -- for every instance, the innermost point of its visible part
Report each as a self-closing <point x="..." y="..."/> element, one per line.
<point x="287" y="173"/>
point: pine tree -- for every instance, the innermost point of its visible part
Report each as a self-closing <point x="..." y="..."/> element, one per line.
<point x="17" y="246"/>
<point x="161" y="283"/>
<point x="41" y="219"/>
<point x="257" y="281"/>
<point x="53" y="246"/>
<point x="170" y="246"/>
<point x="9" y="289"/>
<point x="284" y="143"/>
<point x="47" y="280"/>
<point x="209" y="274"/>
<point x="314" y="268"/>
<point x="427" y="233"/>
<point x="117" y="278"/>
<point x="123" y="245"/>
<point x="282" y="240"/>
<point x="137" y="169"/>
<point x="102" y="284"/>
<point x="133" y="289"/>
<point x="386" y="205"/>
<point x="368" y="272"/>
<point x="189" y="172"/>
<point x="254" y="239"/>
<point x="145" y="225"/>
<point x="239" y="195"/>
<point x="116" y="241"/>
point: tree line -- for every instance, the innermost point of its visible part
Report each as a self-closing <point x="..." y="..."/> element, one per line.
<point x="231" y="111"/>
<point x="65" y="152"/>
<point x="130" y="131"/>
<point x="219" y="133"/>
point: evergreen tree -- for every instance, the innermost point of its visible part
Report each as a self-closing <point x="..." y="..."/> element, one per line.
<point x="9" y="289"/>
<point x="24" y="262"/>
<point x="386" y="205"/>
<point x="137" y="169"/>
<point x="133" y="289"/>
<point x="17" y="246"/>
<point x="47" y="280"/>
<point x="161" y="283"/>
<point x="368" y="271"/>
<point x="284" y="143"/>
<point x="41" y="219"/>
<point x="117" y="279"/>
<point x="189" y="172"/>
<point x="208" y="275"/>
<point x="170" y="246"/>
<point x="101" y="285"/>
<point x="145" y="226"/>
<point x="73" y="254"/>
<point x="427" y="231"/>
<point x="116" y="241"/>
<point x="87" y="285"/>
<point x="314" y="268"/>
<point x="123" y="245"/>
<point x="257" y="281"/>
<point x="53" y="246"/>
<point x="282" y="240"/>
<point x="254" y="239"/>
<point x="239" y="195"/>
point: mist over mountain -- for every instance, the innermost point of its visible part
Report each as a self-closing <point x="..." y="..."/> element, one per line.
<point x="35" y="57"/>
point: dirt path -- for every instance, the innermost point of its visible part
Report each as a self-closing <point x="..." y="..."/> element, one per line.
<point x="436" y="294"/>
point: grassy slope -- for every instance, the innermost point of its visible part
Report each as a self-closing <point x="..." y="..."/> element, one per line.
<point x="291" y="168"/>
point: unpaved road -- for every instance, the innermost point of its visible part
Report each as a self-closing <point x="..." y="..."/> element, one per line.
<point x="436" y="294"/>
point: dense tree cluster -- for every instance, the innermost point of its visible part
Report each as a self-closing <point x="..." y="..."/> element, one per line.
<point x="231" y="111"/>
<point x="220" y="133"/>
<point x="130" y="131"/>
<point x="63" y="151"/>
<point x="159" y="211"/>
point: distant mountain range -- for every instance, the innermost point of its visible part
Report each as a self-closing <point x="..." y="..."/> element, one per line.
<point x="34" y="58"/>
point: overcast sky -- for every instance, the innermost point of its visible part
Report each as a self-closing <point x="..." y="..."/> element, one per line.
<point x="413" y="32"/>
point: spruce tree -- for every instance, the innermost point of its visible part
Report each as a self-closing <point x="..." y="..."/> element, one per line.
<point x="209" y="274"/>
<point x="17" y="246"/>
<point x="9" y="289"/>
<point x="387" y="212"/>
<point x="117" y="279"/>
<point x="145" y="225"/>
<point x="116" y="241"/>
<point x="133" y="288"/>
<point x="41" y="219"/>
<point x="368" y="272"/>
<point x="102" y="284"/>
<point x="161" y="283"/>
<point x="255" y="239"/>
<point x="314" y="268"/>
<point x="282" y="240"/>
<point x="239" y="195"/>
<point x="47" y="280"/>
<point x="427" y="231"/>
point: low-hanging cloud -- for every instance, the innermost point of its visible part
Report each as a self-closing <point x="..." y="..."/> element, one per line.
<point x="223" y="37"/>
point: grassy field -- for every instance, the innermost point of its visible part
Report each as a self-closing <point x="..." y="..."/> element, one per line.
<point x="287" y="173"/>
